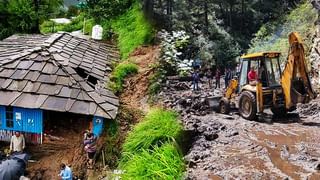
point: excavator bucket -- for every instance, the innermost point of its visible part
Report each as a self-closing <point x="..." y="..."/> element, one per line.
<point x="295" y="81"/>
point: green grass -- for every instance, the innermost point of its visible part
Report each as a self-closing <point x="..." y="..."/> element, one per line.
<point x="274" y="36"/>
<point x="150" y="150"/>
<point x="132" y="29"/>
<point x="157" y="127"/>
<point x="118" y="75"/>
<point x="164" y="162"/>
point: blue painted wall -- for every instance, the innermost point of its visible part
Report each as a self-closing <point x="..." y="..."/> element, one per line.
<point x="97" y="126"/>
<point x="26" y="120"/>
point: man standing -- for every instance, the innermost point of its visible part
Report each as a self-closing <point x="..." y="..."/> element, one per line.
<point x="65" y="172"/>
<point x="217" y="76"/>
<point x="90" y="147"/>
<point x="195" y="80"/>
<point x="17" y="143"/>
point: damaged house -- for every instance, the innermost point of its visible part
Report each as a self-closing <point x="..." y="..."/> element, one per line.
<point x="42" y="76"/>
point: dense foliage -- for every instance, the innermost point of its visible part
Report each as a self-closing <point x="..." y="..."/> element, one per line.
<point x="103" y="10"/>
<point x="132" y="30"/>
<point x="273" y="36"/>
<point x="24" y="16"/>
<point x="150" y="150"/>
<point x="220" y="29"/>
<point x="75" y="25"/>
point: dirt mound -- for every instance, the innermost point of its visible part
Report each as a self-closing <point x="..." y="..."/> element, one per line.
<point x="311" y="109"/>
<point x="136" y="87"/>
<point x="180" y="97"/>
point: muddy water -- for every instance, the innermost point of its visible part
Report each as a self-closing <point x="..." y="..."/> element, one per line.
<point x="257" y="150"/>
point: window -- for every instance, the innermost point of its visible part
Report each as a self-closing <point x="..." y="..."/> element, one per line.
<point x="9" y="117"/>
<point x="244" y="73"/>
<point x="273" y="71"/>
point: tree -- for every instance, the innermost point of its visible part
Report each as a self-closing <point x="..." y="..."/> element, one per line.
<point x="107" y="9"/>
<point x="25" y="15"/>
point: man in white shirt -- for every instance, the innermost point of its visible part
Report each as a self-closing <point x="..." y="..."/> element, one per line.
<point x="17" y="143"/>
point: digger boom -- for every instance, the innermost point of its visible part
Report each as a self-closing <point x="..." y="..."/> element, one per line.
<point x="295" y="81"/>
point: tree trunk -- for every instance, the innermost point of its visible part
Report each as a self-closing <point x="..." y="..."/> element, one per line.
<point x="35" y="27"/>
<point x="206" y="17"/>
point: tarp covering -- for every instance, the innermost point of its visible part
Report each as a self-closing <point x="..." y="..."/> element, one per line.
<point x="13" y="167"/>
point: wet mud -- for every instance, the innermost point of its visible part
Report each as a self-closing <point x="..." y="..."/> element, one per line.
<point x="230" y="147"/>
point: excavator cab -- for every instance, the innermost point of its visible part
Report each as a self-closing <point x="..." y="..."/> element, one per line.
<point x="266" y="90"/>
<point x="266" y="65"/>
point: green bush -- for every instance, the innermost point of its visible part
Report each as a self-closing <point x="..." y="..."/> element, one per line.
<point x="132" y="29"/>
<point x="150" y="150"/>
<point x="163" y="162"/>
<point x="75" y="25"/>
<point x="121" y="71"/>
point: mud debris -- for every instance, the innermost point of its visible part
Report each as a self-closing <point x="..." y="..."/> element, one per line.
<point x="229" y="147"/>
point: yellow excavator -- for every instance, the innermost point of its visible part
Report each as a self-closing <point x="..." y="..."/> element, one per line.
<point x="278" y="90"/>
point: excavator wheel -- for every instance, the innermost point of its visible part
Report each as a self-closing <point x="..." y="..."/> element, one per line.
<point x="248" y="105"/>
<point x="279" y="111"/>
<point x="224" y="106"/>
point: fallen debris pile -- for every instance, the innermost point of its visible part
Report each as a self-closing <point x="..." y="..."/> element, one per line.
<point x="179" y="96"/>
<point x="311" y="109"/>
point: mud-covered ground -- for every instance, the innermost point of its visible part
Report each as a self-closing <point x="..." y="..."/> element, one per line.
<point x="230" y="147"/>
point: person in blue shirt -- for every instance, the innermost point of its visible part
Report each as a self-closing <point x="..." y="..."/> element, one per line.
<point x="65" y="172"/>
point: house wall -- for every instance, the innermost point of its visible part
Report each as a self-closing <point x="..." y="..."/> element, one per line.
<point x="27" y="121"/>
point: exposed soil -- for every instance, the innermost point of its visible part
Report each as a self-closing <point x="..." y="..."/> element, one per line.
<point x="62" y="143"/>
<point x="230" y="147"/>
<point x="64" y="147"/>
<point x="136" y="87"/>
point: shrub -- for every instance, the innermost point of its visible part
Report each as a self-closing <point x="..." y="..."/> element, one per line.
<point x="75" y="25"/>
<point x="121" y="71"/>
<point x="163" y="162"/>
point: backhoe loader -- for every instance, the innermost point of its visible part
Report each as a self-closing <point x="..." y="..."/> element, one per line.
<point x="278" y="90"/>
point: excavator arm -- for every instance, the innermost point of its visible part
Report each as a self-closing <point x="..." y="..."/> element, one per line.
<point x="295" y="81"/>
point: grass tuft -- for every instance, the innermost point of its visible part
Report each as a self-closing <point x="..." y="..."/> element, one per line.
<point x="157" y="127"/>
<point x="150" y="150"/>
<point x="118" y="75"/>
<point x="163" y="162"/>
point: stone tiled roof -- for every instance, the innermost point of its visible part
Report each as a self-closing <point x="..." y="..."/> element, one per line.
<point x="45" y="75"/>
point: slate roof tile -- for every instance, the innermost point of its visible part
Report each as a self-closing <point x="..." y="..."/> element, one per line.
<point x="44" y="74"/>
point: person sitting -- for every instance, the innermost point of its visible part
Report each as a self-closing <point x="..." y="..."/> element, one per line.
<point x="252" y="76"/>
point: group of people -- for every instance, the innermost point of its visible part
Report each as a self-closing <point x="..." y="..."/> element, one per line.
<point x="90" y="147"/>
<point x="17" y="145"/>
<point x="228" y="75"/>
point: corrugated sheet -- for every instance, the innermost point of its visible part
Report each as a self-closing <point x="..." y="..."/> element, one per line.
<point x="5" y="135"/>
<point x="31" y="119"/>
<point x="26" y="120"/>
